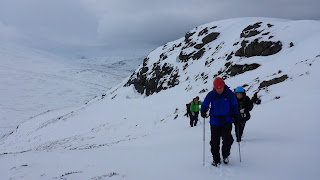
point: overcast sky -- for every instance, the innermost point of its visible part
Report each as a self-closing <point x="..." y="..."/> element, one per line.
<point x="136" y="22"/>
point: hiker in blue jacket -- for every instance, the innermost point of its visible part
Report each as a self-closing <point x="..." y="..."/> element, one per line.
<point x="224" y="108"/>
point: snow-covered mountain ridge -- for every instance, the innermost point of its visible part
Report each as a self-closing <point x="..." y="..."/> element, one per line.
<point x="226" y="50"/>
<point x="138" y="130"/>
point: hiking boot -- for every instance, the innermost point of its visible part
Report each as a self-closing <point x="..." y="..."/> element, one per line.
<point x="215" y="164"/>
<point x="226" y="160"/>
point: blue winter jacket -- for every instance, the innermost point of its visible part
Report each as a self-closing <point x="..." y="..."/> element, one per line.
<point x="223" y="106"/>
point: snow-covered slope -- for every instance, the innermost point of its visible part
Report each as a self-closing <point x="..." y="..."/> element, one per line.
<point x="138" y="129"/>
<point x="34" y="82"/>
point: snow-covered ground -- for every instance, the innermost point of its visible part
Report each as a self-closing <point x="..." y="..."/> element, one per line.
<point x="128" y="135"/>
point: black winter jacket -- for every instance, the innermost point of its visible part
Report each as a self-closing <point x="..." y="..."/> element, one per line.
<point x="245" y="105"/>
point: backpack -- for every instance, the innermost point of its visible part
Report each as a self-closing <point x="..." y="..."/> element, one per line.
<point x="188" y="108"/>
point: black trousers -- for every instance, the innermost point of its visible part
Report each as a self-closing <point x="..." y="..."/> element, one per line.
<point x="194" y="119"/>
<point x="190" y="116"/>
<point x="217" y="132"/>
<point x="238" y="128"/>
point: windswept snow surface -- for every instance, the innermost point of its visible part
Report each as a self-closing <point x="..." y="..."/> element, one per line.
<point x="126" y="135"/>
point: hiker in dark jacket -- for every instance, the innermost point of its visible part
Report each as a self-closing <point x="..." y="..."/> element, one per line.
<point x="194" y="108"/>
<point x="245" y="105"/>
<point x="224" y="107"/>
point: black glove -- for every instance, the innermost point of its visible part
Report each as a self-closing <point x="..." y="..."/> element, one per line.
<point x="236" y="119"/>
<point x="238" y="138"/>
<point x="203" y="113"/>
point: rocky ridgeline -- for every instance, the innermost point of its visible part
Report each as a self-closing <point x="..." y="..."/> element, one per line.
<point x="159" y="74"/>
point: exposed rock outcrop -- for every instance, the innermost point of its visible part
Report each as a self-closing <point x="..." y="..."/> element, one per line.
<point x="160" y="78"/>
<point x="273" y="81"/>
<point x="257" y="47"/>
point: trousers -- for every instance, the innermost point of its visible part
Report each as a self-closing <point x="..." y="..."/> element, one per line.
<point x="194" y="119"/>
<point x="218" y="132"/>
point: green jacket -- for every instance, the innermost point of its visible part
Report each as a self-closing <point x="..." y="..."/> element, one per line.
<point x="195" y="106"/>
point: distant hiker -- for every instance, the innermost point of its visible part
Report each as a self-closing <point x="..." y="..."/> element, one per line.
<point x="194" y="108"/>
<point x="245" y="105"/>
<point x="224" y="107"/>
<point x="189" y="112"/>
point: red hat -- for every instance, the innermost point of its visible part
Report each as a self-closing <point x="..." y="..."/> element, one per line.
<point x="218" y="83"/>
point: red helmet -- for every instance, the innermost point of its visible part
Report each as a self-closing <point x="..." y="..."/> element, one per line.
<point x="218" y="83"/>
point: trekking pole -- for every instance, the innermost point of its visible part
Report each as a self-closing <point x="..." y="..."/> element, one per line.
<point x="204" y="139"/>
<point x="239" y="151"/>
<point x="238" y="137"/>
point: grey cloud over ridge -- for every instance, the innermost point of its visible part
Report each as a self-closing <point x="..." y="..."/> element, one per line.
<point x="162" y="21"/>
<point x="139" y="22"/>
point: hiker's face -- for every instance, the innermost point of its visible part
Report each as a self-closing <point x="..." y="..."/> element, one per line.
<point x="220" y="91"/>
<point x="239" y="95"/>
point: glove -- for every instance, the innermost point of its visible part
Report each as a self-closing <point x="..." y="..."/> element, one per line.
<point x="238" y="139"/>
<point x="203" y="113"/>
<point x="236" y="119"/>
<point x="192" y="113"/>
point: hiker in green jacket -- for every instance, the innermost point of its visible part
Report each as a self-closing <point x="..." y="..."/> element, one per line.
<point x="194" y="108"/>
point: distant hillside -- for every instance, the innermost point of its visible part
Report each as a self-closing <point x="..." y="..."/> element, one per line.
<point x="34" y="82"/>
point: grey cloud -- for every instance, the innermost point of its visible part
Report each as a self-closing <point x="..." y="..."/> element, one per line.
<point x="55" y="20"/>
<point x="141" y="22"/>
<point x="162" y="21"/>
